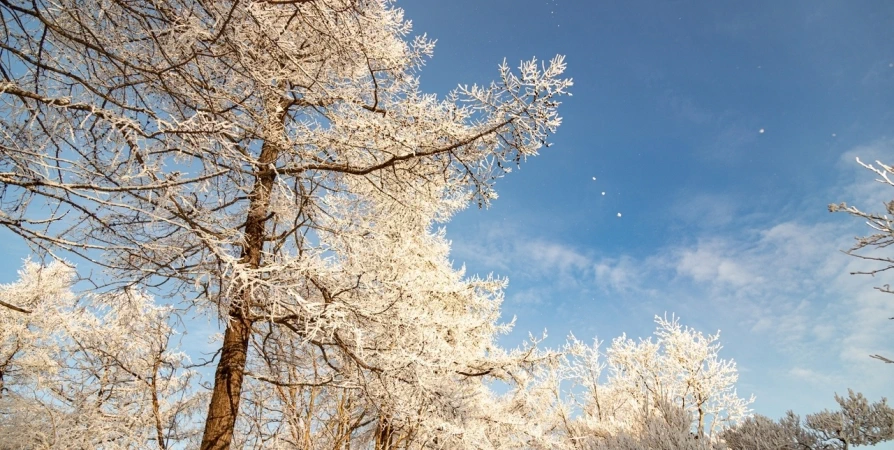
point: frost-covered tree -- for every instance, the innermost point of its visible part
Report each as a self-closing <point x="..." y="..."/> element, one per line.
<point x="674" y="391"/>
<point x="857" y="422"/>
<point x="882" y="236"/>
<point x="421" y="341"/>
<point x="669" y="430"/>
<point x="242" y="155"/>
<point x="681" y="367"/>
<point x="762" y="433"/>
<point x="89" y="372"/>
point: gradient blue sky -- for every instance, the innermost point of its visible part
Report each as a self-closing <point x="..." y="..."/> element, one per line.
<point x="723" y="225"/>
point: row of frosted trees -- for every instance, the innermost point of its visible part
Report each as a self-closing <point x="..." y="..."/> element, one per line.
<point x="103" y="371"/>
<point x="273" y="165"/>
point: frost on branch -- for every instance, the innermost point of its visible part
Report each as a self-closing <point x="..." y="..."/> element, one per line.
<point x="670" y="392"/>
<point x="858" y="422"/>
<point x="398" y="350"/>
<point x="683" y="368"/>
<point x="882" y="224"/>
<point x="670" y="430"/>
<point x="760" y="432"/>
<point x="273" y="163"/>
<point x="92" y="372"/>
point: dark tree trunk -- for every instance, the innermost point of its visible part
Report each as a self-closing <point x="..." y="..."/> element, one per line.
<point x="227" y="386"/>
<point x="228" y="377"/>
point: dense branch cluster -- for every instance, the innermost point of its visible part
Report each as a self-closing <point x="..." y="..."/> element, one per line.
<point x="104" y="371"/>
<point x="275" y="164"/>
<point x="858" y="422"/>
<point x="674" y="389"/>
<point x="91" y="372"/>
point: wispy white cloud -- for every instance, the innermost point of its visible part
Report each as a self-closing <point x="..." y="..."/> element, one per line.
<point x="618" y="275"/>
<point x="818" y="379"/>
<point x="879" y="73"/>
<point x="858" y="188"/>
<point x="550" y="257"/>
<point x="704" y="209"/>
<point x="511" y="251"/>
<point x="782" y="287"/>
<point x="715" y="263"/>
<point x="686" y="109"/>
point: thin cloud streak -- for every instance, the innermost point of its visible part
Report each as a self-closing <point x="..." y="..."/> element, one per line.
<point x="781" y="291"/>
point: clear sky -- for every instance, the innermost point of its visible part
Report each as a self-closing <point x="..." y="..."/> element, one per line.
<point x="722" y="224"/>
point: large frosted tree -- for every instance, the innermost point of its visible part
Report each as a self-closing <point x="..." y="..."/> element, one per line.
<point x="260" y="159"/>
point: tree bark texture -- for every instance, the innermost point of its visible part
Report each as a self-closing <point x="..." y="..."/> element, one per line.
<point x="228" y="378"/>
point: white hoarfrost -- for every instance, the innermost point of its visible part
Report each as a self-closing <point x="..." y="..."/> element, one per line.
<point x="672" y="392"/>
<point x="275" y="165"/>
<point x="872" y="247"/>
<point x="95" y="371"/>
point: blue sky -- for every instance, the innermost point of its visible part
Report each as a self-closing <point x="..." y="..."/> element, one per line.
<point x="721" y="224"/>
